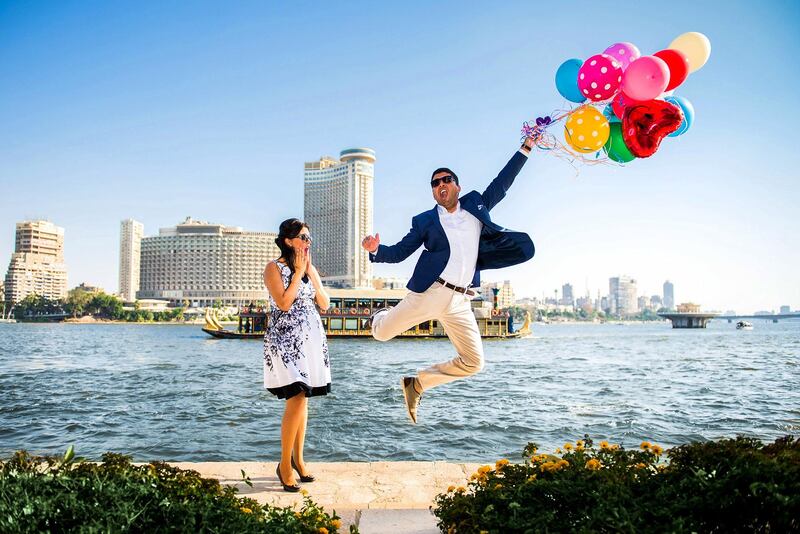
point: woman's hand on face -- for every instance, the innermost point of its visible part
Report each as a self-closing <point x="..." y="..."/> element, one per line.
<point x="301" y="262"/>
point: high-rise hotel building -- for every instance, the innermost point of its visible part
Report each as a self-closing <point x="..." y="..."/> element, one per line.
<point x="669" y="295"/>
<point x="338" y="208"/>
<point x="130" y="248"/>
<point x="622" y="296"/>
<point x="205" y="263"/>
<point x="37" y="264"/>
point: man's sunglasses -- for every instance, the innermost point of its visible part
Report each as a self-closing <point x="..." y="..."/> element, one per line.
<point x="305" y="237"/>
<point x="446" y="179"/>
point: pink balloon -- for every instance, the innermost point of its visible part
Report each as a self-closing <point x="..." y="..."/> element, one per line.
<point x="646" y="78"/>
<point x="624" y="53"/>
<point x="599" y="77"/>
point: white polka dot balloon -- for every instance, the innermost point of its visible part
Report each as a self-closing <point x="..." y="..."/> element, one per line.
<point x="599" y="77"/>
<point x="624" y="52"/>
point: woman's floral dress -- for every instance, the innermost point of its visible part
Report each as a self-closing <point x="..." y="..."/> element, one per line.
<point x="295" y="347"/>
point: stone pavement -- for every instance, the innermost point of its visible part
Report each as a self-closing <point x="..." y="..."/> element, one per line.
<point x="377" y="496"/>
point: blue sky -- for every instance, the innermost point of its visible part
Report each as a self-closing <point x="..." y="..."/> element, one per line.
<point x="160" y="110"/>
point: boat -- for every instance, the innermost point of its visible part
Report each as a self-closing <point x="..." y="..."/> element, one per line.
<point x="744" y="325"/>
<point x="252" y="324"/>
<point x="350" y="310"/>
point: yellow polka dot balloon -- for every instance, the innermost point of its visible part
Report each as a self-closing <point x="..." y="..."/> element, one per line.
<point x="586" y="130"/>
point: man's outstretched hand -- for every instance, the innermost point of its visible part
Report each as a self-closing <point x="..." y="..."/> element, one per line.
<point x="527" y="145"/>
<point x="370" y="243"/>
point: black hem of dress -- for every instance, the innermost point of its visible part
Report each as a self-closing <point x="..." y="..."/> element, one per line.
<point x="289" y="391"/>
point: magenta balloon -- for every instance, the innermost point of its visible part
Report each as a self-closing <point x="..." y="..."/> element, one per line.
<point x="599" y="77"/>
<point x="624" y="53"/>
<point x="646" y="78"/>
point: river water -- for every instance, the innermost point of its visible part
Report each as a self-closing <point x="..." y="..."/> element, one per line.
<point x="173" y="393"/>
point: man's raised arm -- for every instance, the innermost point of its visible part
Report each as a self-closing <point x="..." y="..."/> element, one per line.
<point x="392" y="254"/>
<point x="497" y="189"/>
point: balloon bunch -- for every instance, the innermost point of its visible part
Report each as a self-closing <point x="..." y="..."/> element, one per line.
<point x="635" y="93"/>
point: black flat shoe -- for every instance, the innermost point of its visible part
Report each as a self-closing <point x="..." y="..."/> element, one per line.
<point x="291" y="489"/>
<point x="303" y="478"/>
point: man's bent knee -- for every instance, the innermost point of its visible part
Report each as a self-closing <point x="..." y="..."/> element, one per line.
<point x="472" y="365"/>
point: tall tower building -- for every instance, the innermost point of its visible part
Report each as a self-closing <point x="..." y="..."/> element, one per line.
<point x="130" y="252"/>
<point x="338" y="208"/>
<point x="567" y="297"/>
<point x="37" y="264"/>
<point x="669" y="295"/>
<point x="622" y="298"/>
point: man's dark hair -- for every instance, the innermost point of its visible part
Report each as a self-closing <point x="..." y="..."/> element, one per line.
<point x="445" y="169"/>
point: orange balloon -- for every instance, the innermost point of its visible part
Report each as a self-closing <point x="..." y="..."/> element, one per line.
<point x="586" y="129"/>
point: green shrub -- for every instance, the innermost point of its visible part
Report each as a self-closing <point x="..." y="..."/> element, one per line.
<point x="732" y="485"/>
<point x="47" y="494"/>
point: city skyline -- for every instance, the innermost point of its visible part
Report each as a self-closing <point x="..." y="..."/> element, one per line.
<point x="140" y="117"/>
<point x="666" y="294"/>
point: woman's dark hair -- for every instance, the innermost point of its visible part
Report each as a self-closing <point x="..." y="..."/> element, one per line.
<point x="289" y="229"/>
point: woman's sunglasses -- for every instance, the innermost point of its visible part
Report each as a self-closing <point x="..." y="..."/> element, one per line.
<point x="446" y="179"/>
<point x="305" y="237"/>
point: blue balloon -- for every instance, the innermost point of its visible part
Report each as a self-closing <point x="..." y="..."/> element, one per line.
<point x="688" y="113"/>
<point x="608" y="112"/>
<point x="567" y="80"/>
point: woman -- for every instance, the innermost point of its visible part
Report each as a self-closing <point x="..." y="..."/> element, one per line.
<point x="296" y="364"/>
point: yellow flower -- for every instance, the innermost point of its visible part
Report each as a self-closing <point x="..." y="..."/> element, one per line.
<point x="604" y="445"/>
<point x="297" y="514"/>
<point x="501" y="463"/>
<point x="579" y="443"/>
<point x="461" y="489"/>
<point x="303" y="492"/>
<point x="547" y="466"/>
<point x="498" y="486"/>
<point x="645" y="445"/>
<point x="579" y="448"/>
<point x="246" y="510"/>
<point x="594" y="464"/>
<point x="615" y="447"/>
<point x="640" y="465"/>
<point x="655" y="449"/>
<point x="323" y="530"/>
<point x="661" y="467"/>
<point x="337" y="524"/>
<point x="484" y="469"/>
<point x="451" y="488"/>
<point x="558" y="450"/>
<point x="568" y="446"/>
<point x="532" y="478"/>
<point x="562" y="464"/>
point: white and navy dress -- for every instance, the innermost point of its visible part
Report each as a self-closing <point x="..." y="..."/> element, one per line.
<point x="295" y="347"/>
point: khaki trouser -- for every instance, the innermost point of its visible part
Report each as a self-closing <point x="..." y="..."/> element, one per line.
<point x="453" y="310"/>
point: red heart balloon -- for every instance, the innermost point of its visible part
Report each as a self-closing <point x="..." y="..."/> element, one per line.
<point x="622" y="101"/>
<point x="645" y="124"/>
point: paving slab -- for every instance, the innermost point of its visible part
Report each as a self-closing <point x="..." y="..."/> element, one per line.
<point x="345" y="485"/>
<point x="397" y="521"/>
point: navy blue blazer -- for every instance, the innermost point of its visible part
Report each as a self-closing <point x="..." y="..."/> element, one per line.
<point x="498" y="246"/>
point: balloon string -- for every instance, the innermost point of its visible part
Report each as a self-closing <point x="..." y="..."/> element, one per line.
<point x="537" y="131"/>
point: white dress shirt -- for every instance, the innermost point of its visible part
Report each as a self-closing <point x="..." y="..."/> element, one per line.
<point x="463" y="231"/>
